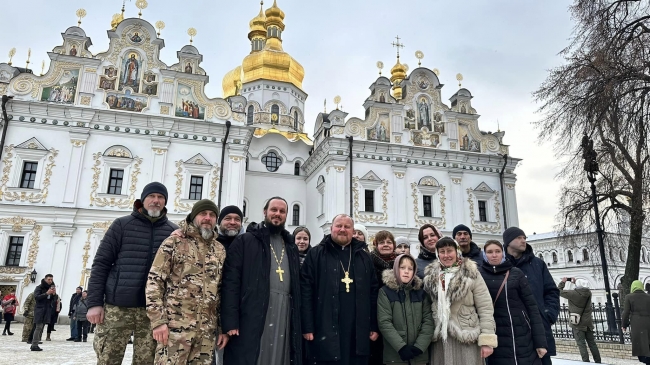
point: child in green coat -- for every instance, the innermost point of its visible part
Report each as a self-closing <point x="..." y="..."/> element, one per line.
<point x="404" y="314"/>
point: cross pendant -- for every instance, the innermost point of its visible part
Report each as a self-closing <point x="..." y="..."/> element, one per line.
<point x="347" y="282"/>
<point x="280" y="272"/>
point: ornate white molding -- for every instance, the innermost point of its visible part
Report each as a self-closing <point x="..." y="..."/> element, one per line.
<point x="377" y="218"/>
<point x="438" y="222"/>
<point x="37" y="196"/>
<point x="489" y="227"/>
<point x="114" y="202"/>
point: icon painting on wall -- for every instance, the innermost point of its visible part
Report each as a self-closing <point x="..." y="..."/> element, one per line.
<point x="126" y="102"/>
<point x="186" y="105"/>
<point x="467" y="143"/>
<point x="135" y="38"/>
<point x="64" y="91"/>
<point x="130" y="76"/>
<point x="424" y="114"/>
<point x="380" y="132"/>
<point x="424" y="138"/>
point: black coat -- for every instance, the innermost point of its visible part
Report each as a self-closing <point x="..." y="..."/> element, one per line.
<point x="73" y="300"/>
<point x="475" y="254"/>
<point x="517" y="317"/>
<point x="320" y="299"/>
<point x="546" y="293"/>
<point x="245" y="295"/>
<point x="123" y="259"/>
<point x="45" y="307"/>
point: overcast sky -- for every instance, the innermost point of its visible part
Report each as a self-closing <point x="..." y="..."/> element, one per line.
<point x="502" y="48"/>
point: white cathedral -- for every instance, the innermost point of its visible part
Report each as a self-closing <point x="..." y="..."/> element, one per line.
<point x="83" y="139"/>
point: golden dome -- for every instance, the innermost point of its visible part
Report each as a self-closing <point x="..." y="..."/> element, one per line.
<point x="117" y="19"/>
<point x="275" y="16"/>
<point x="231" y="82"/>
<point x="258" y="24"/>
<point x="398" y="72"/>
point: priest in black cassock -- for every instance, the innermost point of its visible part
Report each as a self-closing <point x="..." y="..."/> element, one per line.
<point x="260" y="293"/>
<point x="339" y="298"/>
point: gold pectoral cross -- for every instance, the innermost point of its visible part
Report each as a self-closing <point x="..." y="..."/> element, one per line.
<point x="280" y="272"/>
<point x="347" y="281"/>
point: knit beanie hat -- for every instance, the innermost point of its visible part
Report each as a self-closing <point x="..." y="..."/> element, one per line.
<point x="154" y="187"/>
<point x="229" y="210"/>
<point x="201" y="205"/>
<point x="510" y="234"/>
<point x="461" y="227"/>
<point x="396" y="264"/>
<point x="362" y="228"/>
<point x="402" y="241"/>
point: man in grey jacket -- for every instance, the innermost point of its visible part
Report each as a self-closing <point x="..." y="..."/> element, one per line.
<point x="580" y="318"/>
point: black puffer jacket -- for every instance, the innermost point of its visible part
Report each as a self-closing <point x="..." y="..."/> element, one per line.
<point x="519" y="323"/>
<point x="123" y="259"/>
<point x="45" y="303"/>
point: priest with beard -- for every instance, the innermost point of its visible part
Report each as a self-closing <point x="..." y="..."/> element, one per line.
<point x="339" y="298"/>
<point x="260" y="294"/>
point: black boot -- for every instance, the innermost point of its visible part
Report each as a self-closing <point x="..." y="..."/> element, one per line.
<point x="36" y="348"/>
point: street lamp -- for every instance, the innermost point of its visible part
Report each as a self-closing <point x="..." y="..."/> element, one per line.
<point x="591" y="167"/>
<point x="32" y="276"/>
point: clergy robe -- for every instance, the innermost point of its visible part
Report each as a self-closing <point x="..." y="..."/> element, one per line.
<point x="341" y="321"/>
<point x="245" y="294"/>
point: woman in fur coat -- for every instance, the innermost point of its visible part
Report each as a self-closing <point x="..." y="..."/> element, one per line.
<point x="461" y="307"/>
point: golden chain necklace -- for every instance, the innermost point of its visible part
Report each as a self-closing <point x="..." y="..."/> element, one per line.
<point x="347" y="280"/>
<point x="279" y="262"/>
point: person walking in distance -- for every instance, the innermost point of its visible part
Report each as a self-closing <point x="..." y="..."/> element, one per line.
<point x="116" y="290"/>
<point x="9" y="305"/>
<point x="56" y="309"/>
<point x="80" y="312"/>
<point x="183" y="291"/>
<point x="636" y="316"/>
<point x="44" y="294"/>
<point x="546" y="293"/>
<point x="580" y="318"/>
<point x="28" y="313"/>
<point x="73" y="324"/>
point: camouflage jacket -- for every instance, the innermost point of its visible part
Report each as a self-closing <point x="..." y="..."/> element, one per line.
<point x="183" y="286"/>
<point x="28" y="307"/>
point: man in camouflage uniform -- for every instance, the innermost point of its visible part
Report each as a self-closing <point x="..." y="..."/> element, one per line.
<point x="183" y="291"/>
<point x="30" y="302"/>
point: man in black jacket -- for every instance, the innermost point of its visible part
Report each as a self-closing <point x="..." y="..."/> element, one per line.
<point x="73" y="324"/>
<point x="339" y="298"/>
<point x="45" y="295"/>
<point x="116" y="290"/>
<point x="229" y="225"/>
<point x="260" y="293"/>
<point x="463" y="235"/>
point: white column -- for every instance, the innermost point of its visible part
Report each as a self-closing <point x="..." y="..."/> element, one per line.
<point x="60" y="255"/>
<point x="336" y="187"/>
<point x="159" y="149"/>
<point x="235" y="176"/>
<point x="400" y="192"/>
<point x="456" y="199"/>
<point x="511" y="202"/>
<point x="78" y="141"/>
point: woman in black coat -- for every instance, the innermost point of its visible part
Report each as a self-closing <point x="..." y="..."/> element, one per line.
<point x="519" y="325"/>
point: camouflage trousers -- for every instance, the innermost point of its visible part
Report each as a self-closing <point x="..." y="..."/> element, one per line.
<point x="112" y="336"/>
<point x="27" y="328"/>
<point x="187" y="347"/>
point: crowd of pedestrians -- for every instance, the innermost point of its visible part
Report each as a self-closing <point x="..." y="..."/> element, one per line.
<point x="207" y="291"/>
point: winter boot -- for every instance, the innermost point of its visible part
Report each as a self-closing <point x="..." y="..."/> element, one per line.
<point x="48" y="338"/>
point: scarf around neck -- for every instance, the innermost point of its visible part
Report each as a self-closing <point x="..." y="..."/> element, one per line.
<point x="426" y="254"/>
<point x="444" y="305"/>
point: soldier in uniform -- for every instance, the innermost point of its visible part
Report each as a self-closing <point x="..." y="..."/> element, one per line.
<point x="183" y="291"/>
<point x="30" y="302"/>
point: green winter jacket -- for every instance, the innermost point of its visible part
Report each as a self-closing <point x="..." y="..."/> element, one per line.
<point x="579" y="303"/>
<point x="404" y="316"/>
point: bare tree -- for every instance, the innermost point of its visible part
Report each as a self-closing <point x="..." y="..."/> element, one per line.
<point x="602" y="91"/>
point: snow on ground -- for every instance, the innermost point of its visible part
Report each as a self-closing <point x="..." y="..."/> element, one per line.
<point x="60" y="352"/>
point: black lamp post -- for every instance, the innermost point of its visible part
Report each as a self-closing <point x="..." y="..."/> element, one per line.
<point x="32" y="276"/>
<point x="591" y="167"/>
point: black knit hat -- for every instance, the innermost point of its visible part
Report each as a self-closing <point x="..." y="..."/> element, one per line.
<point x="229" y="210"/>
<point x="154" y="187"/>
<point x="461" y="227"/>
<point x="510" y="234"/>
<point x="201" y="205"/>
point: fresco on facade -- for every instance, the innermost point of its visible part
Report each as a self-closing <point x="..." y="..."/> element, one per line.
<point x="424" y="113"/>
<point x="424" y="138"/>
<point x="64" y="91"/>
<point x="126" y="102"/>
<point x="131" y="73"/>
<point x="409" y="121"/>
<point x="467" y="143"/>
<point x="186" y="104"/>
<point x="150" y="86"/>
<point x="380" y="132"/>
<point x="438" y="125"/>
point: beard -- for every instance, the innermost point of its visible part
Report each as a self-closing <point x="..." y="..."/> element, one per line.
<point x="228" y="232"/>
<point x="206" y="233"/>
<point x="153" y="213"/>
<point x="341" y="240"/>
<point x="274" y="229"/>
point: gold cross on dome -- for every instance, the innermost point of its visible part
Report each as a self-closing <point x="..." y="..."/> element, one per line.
<point x="398" y="45"/>
<point x="280" y="272"/>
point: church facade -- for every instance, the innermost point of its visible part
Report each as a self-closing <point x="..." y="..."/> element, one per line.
<point x="83" y="139"/>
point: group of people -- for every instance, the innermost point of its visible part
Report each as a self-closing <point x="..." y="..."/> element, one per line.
<point x="206" y="291"/>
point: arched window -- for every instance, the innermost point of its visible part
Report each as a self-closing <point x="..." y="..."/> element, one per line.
<point x="247" y="163"/>
<point x="296" y="215"/>
<point x="295" y="120"/>
<point x="570" y="256"/>
<point x="320" y="186"/>
<point x="272" y="161"/>
<point x="585" y="255"/>
<point x="554" y="258"/>
<point x="249" y="115"/>
<point x="296" y="168"/>
<point x="275" y="113"/>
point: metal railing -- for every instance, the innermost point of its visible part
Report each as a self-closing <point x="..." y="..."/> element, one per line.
<point x="562" y="328"/>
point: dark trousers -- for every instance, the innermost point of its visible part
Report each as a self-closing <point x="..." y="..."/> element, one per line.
<point x="546" y="360"/>
<point x="584" y="339"/>
<point x="82" y="329"/>
<point x="73" y="328"/>
<point x="38" y="333"/>
<point x="7" y="327"/>
<point x="644" y="359"/>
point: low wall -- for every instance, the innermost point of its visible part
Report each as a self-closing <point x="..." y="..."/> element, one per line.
<point x="607" y="349"/>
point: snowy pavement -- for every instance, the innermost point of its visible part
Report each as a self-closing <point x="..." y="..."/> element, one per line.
<point x="60" y="352"/>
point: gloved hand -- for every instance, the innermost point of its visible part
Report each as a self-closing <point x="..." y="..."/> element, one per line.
<point x="405" y="353"/>
<point x="415" y="351"/>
